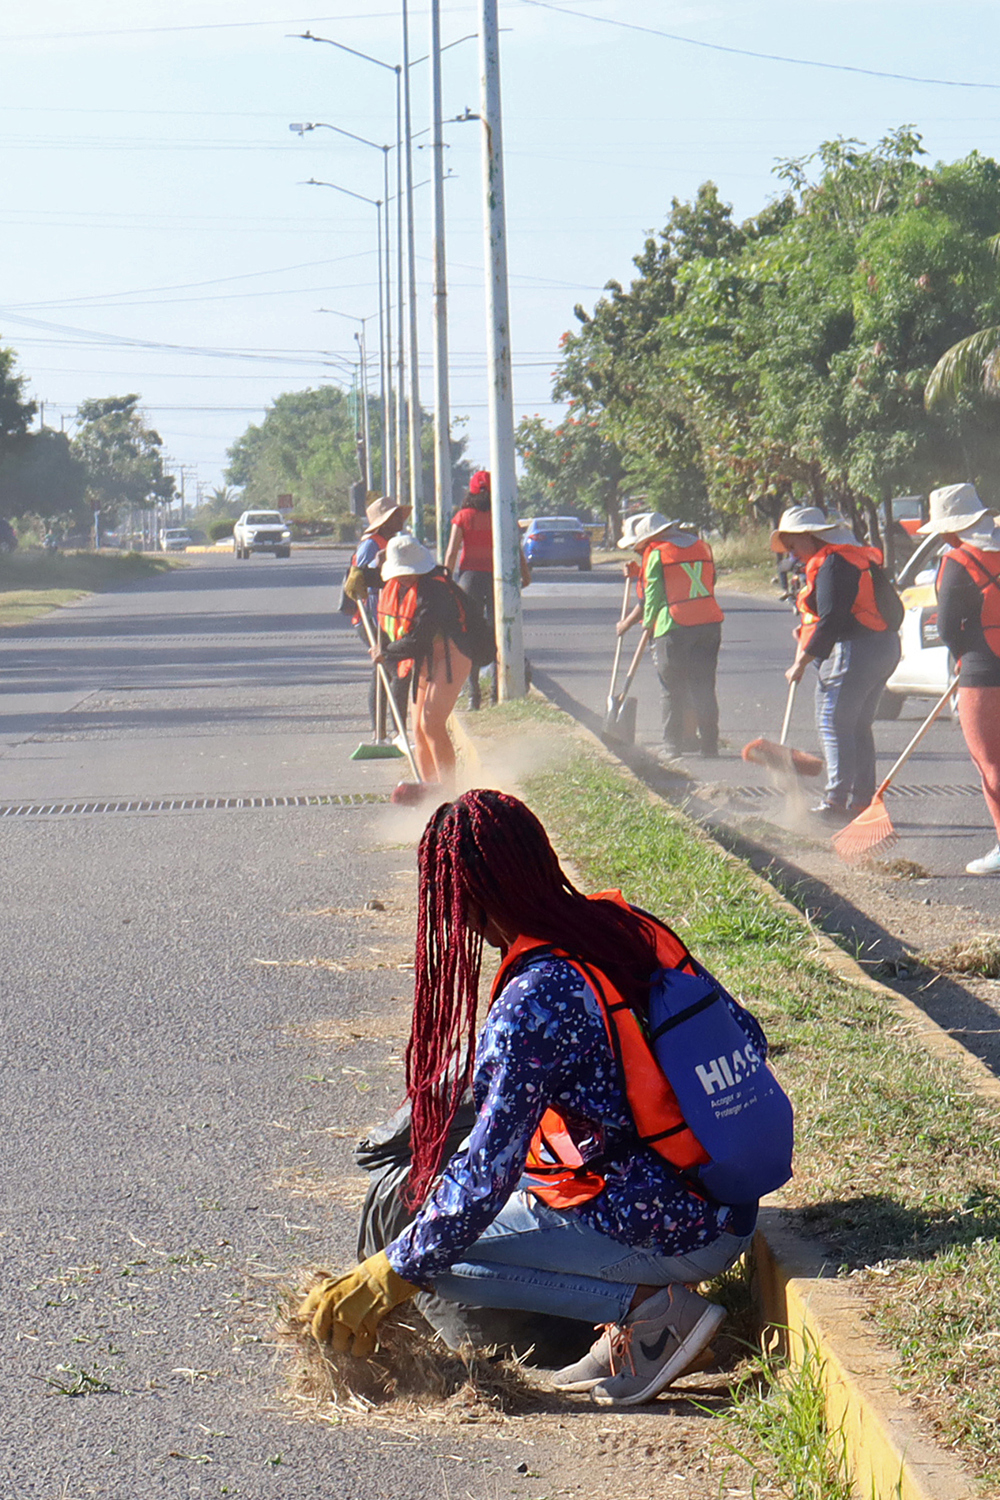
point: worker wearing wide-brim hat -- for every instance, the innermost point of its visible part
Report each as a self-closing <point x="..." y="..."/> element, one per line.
<point x="385" y="517"/>
<point x="679" y="609"/>
<point x="968" y="592"/>
<point x="954" y="508"/>
<point x="846" y="607"/>
<point x="428" y="637"/>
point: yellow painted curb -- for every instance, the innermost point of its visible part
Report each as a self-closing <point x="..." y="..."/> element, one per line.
<point x="890" y="1456"/>
<point x="820" y="1318"/>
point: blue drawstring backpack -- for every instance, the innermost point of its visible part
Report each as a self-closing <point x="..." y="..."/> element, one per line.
<point x="728" y="1095"/>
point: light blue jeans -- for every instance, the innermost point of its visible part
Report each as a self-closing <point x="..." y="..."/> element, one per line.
<point x="848" y="689"/>
<point x="541" y="1259"/>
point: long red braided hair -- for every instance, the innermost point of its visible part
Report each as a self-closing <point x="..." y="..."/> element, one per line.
<point x="486" y="856"/>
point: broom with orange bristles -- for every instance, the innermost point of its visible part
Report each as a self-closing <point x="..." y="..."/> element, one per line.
<point x="872" y="829"/>
<point x="781" y="757"/>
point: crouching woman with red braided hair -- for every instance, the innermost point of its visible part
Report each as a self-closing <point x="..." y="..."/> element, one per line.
<point x="553" y="1205"/>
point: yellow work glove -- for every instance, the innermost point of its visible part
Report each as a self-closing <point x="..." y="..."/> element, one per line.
<point x="355" y="586"/>
<point x="346" y="1310"/>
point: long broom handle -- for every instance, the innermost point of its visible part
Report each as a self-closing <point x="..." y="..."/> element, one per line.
<point x="787" y="721"/>
<point x="397" y="716"/>
<point x="939" y="705"/>
<point x="634" y="664"/>
<point x="620" y="641"/>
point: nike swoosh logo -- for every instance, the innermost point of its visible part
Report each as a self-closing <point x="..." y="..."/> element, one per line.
<point x="653" y="1351"/>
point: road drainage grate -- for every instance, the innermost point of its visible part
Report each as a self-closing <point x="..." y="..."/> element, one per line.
<point x="757" y="793"/>
<point x="188" y="804"/>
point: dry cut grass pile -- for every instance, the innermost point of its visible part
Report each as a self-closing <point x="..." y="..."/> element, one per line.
<point x="411" y="1371"/>
<point x="978" y="954"/>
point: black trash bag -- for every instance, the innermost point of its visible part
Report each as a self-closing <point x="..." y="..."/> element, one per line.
<point x="385" y="1154"/>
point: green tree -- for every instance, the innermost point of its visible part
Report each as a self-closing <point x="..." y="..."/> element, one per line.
<point x="306" y="446"/>
<point x="122" y="455"/>
<point x="568" y="468"/>
<point x="38" y="474"/>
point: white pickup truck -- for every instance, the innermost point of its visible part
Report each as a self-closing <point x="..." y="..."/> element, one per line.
<point x="261" y="531"/>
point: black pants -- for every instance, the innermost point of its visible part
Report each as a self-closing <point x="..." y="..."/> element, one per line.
<point x="686" y="659"/>
<point x="479" y="586"/>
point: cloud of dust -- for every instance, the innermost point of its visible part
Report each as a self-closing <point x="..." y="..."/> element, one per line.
<point x="502" y="763"/>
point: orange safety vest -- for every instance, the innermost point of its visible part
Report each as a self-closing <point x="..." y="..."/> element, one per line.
<point x="689" y="580"/>
<point x="984" y="570"/>
<point x="562" y="1177"/>
<point x="864" y="608"/>
<point x="397" y="608"/>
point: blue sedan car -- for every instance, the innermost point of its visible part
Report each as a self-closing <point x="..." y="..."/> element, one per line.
<point x="557" y="542"/>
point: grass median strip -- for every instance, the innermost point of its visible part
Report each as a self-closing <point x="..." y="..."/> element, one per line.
<point x="898" y="1161"/>
<point x="33" y="583"/>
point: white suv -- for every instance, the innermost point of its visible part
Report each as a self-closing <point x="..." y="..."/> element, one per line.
<point x="261" y="531"/>
<point x="175" y="539"/>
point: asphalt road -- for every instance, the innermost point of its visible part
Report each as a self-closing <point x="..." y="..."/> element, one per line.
<point x="180" y="1085"/>
<point x="173" y="1110"/>
<point x="937" y="808"/>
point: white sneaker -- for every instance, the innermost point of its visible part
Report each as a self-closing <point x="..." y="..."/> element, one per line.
<point x="988" y="865"/>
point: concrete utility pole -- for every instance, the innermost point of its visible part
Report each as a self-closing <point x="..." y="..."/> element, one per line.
<point x="442" y="410"/>
<point x="401" y="468"/>
<point x="416" y="461"/>
<point x="365" y="424"/>
<point x="506" y="537"/>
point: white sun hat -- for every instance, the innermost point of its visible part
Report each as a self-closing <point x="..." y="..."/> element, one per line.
<point x="985" y="535"/>
<point x="842" y="532"/>
<point x="627" y="539"/>
<point x="954" y="507"/>
<point x="804" y="520"/>
<point x="404" y="554"/>
<point x="649" y="526"/>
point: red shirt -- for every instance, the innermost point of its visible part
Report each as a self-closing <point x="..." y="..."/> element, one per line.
<point x="476" y="526"/>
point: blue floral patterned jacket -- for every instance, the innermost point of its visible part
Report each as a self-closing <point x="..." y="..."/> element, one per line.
<point x="545" y="1044"/>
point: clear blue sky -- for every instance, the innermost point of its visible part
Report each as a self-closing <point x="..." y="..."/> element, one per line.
<point x="152" y="190"/>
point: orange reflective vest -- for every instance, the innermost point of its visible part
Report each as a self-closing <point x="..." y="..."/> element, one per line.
<point x="688" y="581"/>
<point x="984" y="570"/>
<point x="864" y="608"/>
<point x="397" y="608"/>
<point x="555" y="1160"/>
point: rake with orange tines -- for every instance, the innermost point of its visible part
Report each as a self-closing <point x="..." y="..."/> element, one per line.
<point x="872" y="829"/>
<point x="781" y="757"/>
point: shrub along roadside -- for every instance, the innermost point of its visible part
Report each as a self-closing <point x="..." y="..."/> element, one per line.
<point x="898" y="1162"/>
<point x="33" y="583"/>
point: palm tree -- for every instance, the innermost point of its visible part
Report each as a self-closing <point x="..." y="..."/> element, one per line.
<point x="971" y="364"/>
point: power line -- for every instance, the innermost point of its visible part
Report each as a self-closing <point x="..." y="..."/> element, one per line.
<point x="182" y="286"/>
<point x="798" y="62"/>
<point x="56" y="36"/>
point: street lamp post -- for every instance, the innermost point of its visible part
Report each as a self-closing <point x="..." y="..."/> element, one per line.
<point x="384" y="328"/>
<point x="365" y="427"/>
<point x="506" y="540"/>
<point x="386" y="393"/>
<point x="416" y="459"/>
<point x="442" y="410"/>
<point x="395" y="68"/>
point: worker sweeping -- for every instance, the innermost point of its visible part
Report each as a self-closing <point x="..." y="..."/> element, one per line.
<point x="968" y="592"/>
<point x="431" y="634"/>
<point x="571" y="1194"/>
<point x="850" y="618"/>
<point x="364" y="580"/>
<point x="679" y="608"/>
